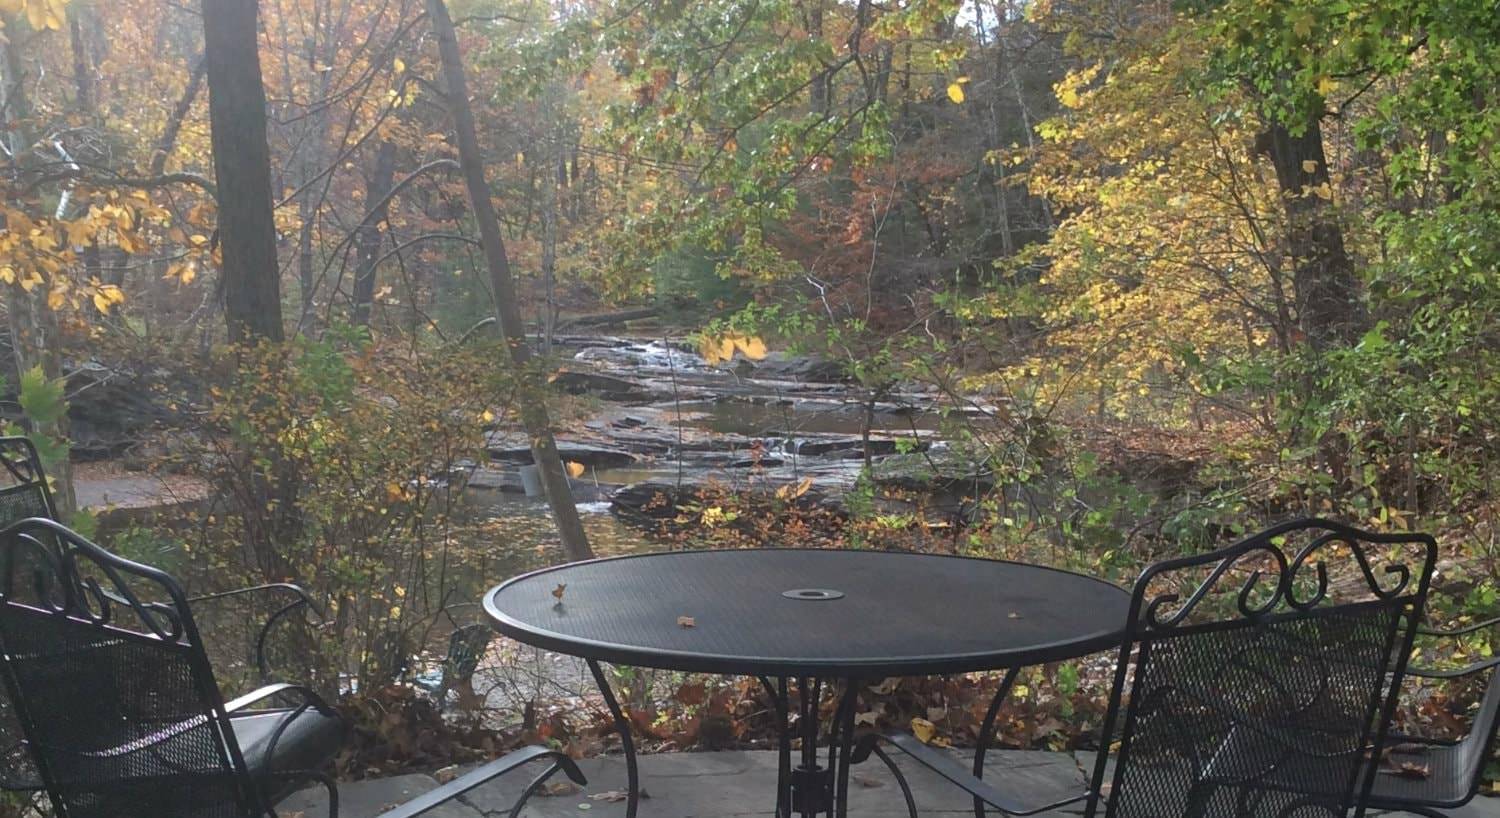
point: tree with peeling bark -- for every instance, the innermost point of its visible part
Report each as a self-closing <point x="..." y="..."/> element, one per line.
<point x="531" y="399"/>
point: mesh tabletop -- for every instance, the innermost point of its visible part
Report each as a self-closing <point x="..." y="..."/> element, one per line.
<point x="811" y="612"/>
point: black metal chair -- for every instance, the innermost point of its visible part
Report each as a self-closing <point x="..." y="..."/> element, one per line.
<point x="119" y="708"/>
<point x="1254" y="681"/>
<point x="1427" y="776"/>
<point x="25" y="492"/>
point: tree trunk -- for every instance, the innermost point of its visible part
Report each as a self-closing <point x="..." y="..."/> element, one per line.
<point x="551" y="180"/>
<point x="242" y="167"/>
<point x="531" y="392"/>
<point x="1330" y="311"/>
<point x="250" y="277"/>
<point x="377" y="189"/>
<point x="818" y="92"/>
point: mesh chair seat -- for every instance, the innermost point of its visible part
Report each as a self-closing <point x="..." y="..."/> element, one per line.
<point x="1440" y="774"/>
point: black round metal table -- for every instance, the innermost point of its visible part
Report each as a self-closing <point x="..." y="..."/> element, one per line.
<point x="809" y="615"/>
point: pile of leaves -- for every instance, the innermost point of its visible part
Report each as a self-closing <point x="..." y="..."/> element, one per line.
<point x="397" y="729"/>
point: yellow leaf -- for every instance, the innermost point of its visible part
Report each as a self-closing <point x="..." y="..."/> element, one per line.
<point x="575" y="469"/>
<point x="754" y="348"/>
<point x="184" y="273"/>
<point x="399" y="65"/>
<point x="1309" y="166"/>
<point x="56" y="298"/>
<point x="36" y="14"/>
<point x="198" y="240"/>
<point x="924" y="730"/>
<point x="487" y="416"/>
<point x="802" y="487"/>
<point x="11" y="6"/>
<point x="7" y="274"/>
<point x="955" y="92"/>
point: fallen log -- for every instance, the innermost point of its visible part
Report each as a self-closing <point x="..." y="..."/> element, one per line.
<point x="607" y="318"/>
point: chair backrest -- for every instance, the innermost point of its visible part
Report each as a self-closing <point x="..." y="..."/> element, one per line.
<point x="110" y="683"/>
<point x="23" y="484"/>
<point x="23" y="493"/>
<point x="1257" y="680"/>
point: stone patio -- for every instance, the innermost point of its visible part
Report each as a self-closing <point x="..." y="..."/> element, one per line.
<point x="728" y="785"/>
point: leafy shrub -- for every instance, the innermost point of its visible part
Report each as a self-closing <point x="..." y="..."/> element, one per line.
<point x="332" y="464"/>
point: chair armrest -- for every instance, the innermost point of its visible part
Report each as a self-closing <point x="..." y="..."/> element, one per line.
<point x="1459" y="631"/>
<point x="944" y="765"/>
<point x="1454" y="673"/>
<point x="484" y="774"/>
<point x="306" y="694"/>
<point x="303" y="598"/>
<point x="298" y="599"/>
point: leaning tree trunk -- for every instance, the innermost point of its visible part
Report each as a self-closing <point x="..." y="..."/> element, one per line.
<point x="531" y="394"/>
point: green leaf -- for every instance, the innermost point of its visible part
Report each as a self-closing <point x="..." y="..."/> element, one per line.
<point x="43" y="400"/>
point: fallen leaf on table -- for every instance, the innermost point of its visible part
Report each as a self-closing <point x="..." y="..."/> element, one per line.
<point x="1013" y="615"/>
<point x="558" y="591"/>
<point x="686" y="622"/>
<point x="556" y="788"/>
<point x="616" y="796"/>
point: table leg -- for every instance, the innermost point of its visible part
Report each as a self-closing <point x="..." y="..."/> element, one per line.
<point x="987" y="732"/>
<point x="778" y="694"/>
<point x="622" y="724"/>
<point x="841" y="746"/>
<point x="809" y="781"/>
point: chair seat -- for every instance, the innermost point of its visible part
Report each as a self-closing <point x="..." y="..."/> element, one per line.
<point x="309" y="742"/>
<point x="1435" y="774"/>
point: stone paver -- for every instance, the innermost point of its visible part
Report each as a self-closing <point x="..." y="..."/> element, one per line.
<point x="737" y="785"/>
<point x="363" y="799"/>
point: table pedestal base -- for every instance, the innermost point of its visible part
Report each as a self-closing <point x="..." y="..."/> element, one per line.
<point x="810" y="789"/>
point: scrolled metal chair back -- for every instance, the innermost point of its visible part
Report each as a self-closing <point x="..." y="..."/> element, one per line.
<point x="1256" y="681"/>
<point x="110" y="683"/>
